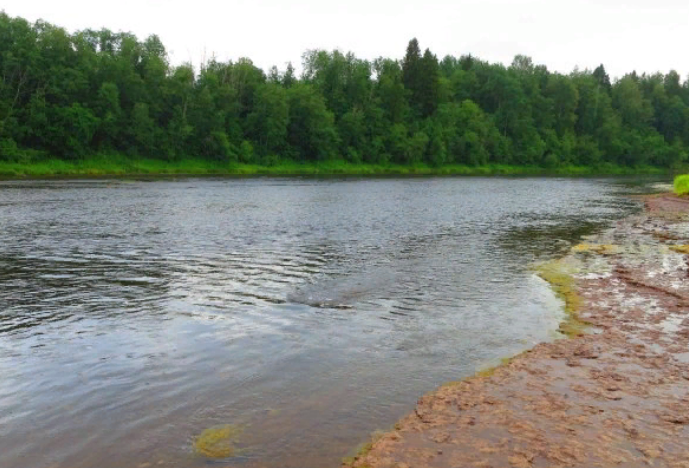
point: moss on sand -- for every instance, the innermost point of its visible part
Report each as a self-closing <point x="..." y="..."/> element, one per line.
<point x="561" y="280"/>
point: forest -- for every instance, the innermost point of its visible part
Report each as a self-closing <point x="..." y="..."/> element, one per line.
<point x="109" y="95"/>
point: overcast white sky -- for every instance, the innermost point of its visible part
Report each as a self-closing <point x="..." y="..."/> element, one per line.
<point x="646" y="35"/>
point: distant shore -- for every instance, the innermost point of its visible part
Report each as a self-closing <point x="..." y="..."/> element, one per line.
<point x="122" y="167"/>
<point x="616" y="393"/>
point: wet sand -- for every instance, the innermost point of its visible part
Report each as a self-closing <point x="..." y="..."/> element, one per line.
<point x="615" y="394"/>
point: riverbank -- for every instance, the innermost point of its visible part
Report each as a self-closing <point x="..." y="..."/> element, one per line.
<point x="615" y="394"/>
<point x="123" y="167"/>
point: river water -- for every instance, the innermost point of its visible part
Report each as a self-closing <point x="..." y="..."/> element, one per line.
<point x="134" y="315"/>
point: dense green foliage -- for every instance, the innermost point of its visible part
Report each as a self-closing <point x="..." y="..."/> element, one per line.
<point x="682" y="185"/>
<point x="69" y="97"/>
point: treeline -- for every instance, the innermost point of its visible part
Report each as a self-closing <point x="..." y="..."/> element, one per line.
<point x="72" y="96"/>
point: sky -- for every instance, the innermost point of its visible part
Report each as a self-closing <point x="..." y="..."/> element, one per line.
<point x="624" y="35"/>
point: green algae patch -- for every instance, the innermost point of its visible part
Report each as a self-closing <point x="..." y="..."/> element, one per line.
<point x="365" y="448"/>
<point x="455" y="383"/>
<point x="683" y="249"/>
<point x="602" y="249"/>
<point x="563" y="283"/>
<point x="488" y="371"/>
<point x="217" y="442"/>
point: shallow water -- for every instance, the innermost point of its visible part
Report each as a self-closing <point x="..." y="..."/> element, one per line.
<point x="134" y="315"/>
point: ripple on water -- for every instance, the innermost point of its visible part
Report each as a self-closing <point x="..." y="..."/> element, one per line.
<point x="136" y="315"/>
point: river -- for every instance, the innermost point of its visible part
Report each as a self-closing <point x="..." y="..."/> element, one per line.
<point x="136" y="314"/>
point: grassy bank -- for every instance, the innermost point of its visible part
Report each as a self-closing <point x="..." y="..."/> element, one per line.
<point x="682" y="184"/>
<point x="98" y="167"/>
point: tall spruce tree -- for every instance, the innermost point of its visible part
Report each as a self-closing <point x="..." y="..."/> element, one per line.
<point x="412" y="70"/>
<point x="603" y="79"/>
<point x="428" y="93"/>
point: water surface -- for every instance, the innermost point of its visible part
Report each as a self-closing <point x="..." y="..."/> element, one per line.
<point x="136" y="314"/>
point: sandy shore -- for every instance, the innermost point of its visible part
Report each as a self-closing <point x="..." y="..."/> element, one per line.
<point x="615" y="394"/>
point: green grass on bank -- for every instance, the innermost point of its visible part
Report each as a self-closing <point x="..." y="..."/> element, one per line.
<point x="682" y="184"/>
<point x="119" y="166"/>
